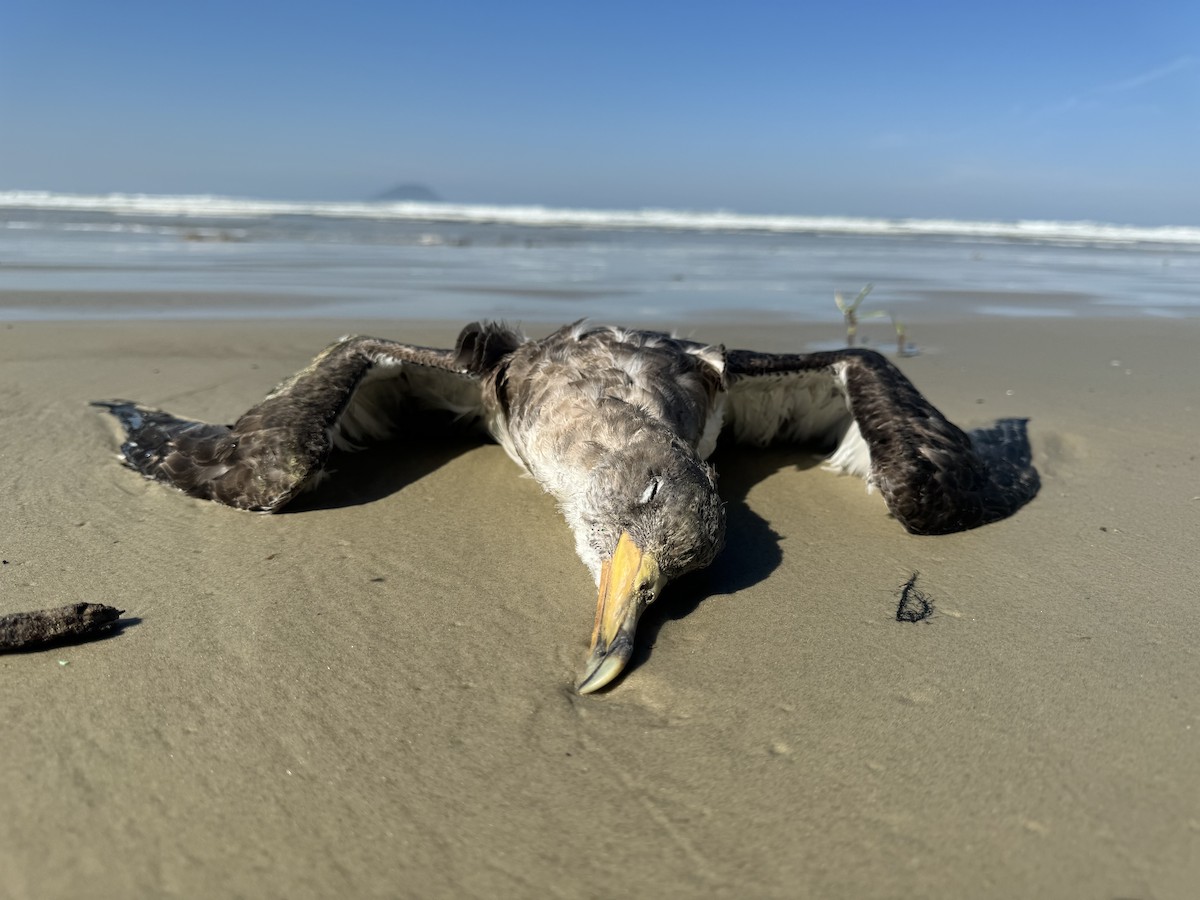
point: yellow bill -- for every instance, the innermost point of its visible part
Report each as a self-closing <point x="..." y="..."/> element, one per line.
<point x="629" y="582"/>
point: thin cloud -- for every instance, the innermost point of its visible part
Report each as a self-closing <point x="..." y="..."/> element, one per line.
<point x="1094" y="98"/>
<point x="1145" y="78"/>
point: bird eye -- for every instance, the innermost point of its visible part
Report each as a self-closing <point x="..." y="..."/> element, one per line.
<point x="649" y="492"/>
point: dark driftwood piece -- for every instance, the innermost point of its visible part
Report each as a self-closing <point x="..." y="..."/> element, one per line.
<point x="25" y="630"/>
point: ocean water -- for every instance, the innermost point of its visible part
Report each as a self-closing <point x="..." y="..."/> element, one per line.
<point x="77" y="257"/>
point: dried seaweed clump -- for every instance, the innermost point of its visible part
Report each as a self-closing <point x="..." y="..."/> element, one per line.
<point x="914" y="605"/>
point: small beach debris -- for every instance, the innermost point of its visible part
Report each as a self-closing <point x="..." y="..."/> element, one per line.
<point x="914" y="606"/>
<point x="852" y="316"/>
<point x="850" y="312"/>
<point x="903" y="346"/>
<point x="25" y="630"/>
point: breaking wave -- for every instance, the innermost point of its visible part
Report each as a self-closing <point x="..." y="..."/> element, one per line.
<point x="215" y="207"/>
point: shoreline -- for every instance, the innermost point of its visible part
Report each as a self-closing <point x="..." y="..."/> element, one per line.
<point x="933" y="307"/>
<point x="372" y="696"/>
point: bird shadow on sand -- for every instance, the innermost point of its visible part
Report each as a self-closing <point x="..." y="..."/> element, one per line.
<point x="751" y="551"/>
<point x="384" y="469"/>
<point x="1004" y="447"/>
<point x="752" y="547"/>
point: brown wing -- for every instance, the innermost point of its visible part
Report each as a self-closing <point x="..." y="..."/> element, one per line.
<point x="357" y="390"/>
<point x="935" y="477"/>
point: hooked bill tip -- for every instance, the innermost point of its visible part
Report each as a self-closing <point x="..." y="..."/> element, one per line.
<point x="600" y="671"/>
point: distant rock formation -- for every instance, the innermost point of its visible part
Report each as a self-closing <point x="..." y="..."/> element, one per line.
<point x="416" y="192"/>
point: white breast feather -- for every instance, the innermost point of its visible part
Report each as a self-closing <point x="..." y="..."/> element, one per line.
<point x="806" y="407"/>
<point x="712" y="427"/>
<point x="852" y="457"/>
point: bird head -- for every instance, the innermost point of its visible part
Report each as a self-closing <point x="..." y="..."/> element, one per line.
<point x="653" y="514"/>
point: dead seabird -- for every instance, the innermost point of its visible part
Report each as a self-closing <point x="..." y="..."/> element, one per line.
<point x="617" y="425"/>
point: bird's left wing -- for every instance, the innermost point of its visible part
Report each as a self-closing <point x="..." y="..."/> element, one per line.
<point x="358" y="390"/>
<point x="855" y="404"/>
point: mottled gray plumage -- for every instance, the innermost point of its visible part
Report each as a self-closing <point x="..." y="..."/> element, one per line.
<point x="617" y="425"/>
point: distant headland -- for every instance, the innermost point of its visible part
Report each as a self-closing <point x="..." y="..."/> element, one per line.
<point x="414" y="192"/>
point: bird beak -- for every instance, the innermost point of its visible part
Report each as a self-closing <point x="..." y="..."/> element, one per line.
<point x="629" y="582"/>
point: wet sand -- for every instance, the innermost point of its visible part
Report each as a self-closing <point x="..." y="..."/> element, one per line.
<point x="372" y="696"/>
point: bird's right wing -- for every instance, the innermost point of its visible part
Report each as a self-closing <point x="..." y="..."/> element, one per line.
<point x="358" y="390"/>
<point x="855" y="404"/>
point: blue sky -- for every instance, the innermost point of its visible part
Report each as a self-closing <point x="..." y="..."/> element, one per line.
<point x="967" y="110"/>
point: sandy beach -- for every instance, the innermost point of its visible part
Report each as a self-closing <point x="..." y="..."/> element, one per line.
<point x="372" y="696"/>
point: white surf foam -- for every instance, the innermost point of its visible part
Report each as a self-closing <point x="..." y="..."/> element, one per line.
<point x="215" y="207"/>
